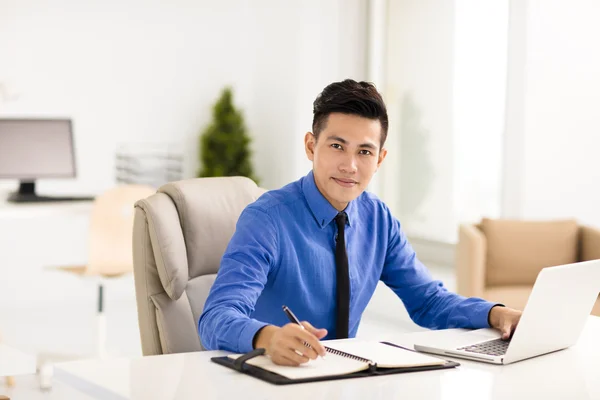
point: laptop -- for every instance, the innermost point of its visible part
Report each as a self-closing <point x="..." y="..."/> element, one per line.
<point x="556" y="312"/>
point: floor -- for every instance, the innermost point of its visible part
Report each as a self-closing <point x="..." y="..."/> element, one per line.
<point x="64" y="323"/>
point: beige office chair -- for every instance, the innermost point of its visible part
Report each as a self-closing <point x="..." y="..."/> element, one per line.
<point x="110" y="252"/>
<point x="499" y="259"/>
<point x="179" y="237"/>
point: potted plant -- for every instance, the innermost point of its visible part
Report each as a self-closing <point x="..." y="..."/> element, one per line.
<point x="224" y="144"/>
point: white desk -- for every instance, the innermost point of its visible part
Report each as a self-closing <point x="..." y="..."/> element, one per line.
<point x="43" y="209"/>
<point x="13" y="362"/>
<point x="569" y="374"/>
<point x="36" y="235"/>
<point x="48" y="230"/>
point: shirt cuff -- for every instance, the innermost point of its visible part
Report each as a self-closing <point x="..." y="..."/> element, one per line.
<point x="490" y="312"/>
<point x="247" y="335"/>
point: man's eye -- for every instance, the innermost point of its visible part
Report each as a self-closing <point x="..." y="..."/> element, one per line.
<point x="365" y="152"/>
<point x="336" y="146"/>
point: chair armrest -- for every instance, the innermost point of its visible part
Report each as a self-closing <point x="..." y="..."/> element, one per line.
<point x="470" y="261"/>
<point x="589" y="243"/>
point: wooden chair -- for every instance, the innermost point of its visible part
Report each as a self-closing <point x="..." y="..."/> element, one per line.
<point x="110" y="246"/>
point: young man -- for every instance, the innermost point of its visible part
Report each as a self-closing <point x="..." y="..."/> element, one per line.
<point x="320" y="245"/>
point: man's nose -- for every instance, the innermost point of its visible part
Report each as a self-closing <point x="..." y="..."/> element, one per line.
<point x="348" y="164"/>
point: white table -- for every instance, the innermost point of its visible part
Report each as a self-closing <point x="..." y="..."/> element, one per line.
<point x="33" y="237"/>
<point x="42" y="209"/>
<point x="42" y="233"/>
<point x="38" y="235"/>
<point x="568" y="374"/>
<point x="14" y="362"/>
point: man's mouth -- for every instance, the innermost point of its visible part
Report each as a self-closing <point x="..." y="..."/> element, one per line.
<point x="345" y="182"/>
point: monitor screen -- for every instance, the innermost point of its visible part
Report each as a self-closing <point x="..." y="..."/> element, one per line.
<point x="36" y="148"/>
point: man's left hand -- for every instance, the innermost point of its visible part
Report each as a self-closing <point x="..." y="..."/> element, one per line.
<point x="505" y="320"/>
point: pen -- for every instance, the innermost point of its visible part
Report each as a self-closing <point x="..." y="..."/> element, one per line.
<point x="291" y="316"/>
<point x="293" y="319"/>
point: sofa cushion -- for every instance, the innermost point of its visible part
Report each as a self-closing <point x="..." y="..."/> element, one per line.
<point x="596" y="309"/>
<point x="514" y="296"/>
<point x="518" y="250"/>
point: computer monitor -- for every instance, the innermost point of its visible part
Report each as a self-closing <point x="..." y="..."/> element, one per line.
<point x="32" y="149"/>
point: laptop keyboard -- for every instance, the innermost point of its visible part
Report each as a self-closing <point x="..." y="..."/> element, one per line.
<point x="496" y="347"/>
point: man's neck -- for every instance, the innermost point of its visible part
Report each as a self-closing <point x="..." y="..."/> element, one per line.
<point x="338" y="206"/>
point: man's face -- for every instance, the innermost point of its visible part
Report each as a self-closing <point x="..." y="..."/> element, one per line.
<point x="345" y="156"/>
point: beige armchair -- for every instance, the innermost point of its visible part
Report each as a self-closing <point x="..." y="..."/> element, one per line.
<point x="179" y="236"/>
<point x="499" y="260"/>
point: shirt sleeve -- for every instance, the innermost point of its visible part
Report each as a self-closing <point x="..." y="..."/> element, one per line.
<point x="427" y="301"/>
<point x="225" y="323"/>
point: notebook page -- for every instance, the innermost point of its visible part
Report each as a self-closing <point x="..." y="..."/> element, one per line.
<point x="330" y="365"/>
<point x="384" y="355"/>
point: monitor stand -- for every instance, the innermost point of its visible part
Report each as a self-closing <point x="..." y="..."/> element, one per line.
<point x="26" y="194"/>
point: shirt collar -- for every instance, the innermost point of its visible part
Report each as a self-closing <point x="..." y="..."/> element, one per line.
<point x="320" y="207"/>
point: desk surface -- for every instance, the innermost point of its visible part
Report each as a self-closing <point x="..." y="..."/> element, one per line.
<point x="28" y="210"/>
<point x="14" y="362"/>
<point x="568" y="374"/>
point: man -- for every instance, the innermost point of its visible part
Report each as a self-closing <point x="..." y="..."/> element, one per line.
<point x="320" y="245"/>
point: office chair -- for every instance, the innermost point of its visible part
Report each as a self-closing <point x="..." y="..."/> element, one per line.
<point x="499" y="260"/>
<point x="179" y="237"/>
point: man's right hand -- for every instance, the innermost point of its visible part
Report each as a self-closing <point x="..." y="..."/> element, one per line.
<point x="285" y="345"/>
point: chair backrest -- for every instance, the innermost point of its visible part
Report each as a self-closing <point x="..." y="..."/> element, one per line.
<point x="111" y="224"/>
<point x="179" y="237"/>
<point x="518" y="250"/>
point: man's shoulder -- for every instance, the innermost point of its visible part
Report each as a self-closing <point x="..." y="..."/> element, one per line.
<point x="372" y="203"/>
<point x="272" y="200"/>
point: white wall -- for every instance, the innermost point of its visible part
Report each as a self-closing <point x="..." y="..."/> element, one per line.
<point x="503" y="112"/>
<point x="417" y="175"/>
<point x="142" y="71"/>
<point x="446" y="75"/>
<point x="480" y="69"/>
<point x="139" y="71"/>
<point x="554" y="103"/>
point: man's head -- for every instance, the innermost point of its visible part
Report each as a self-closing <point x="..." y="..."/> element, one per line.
<point x="346" y="145"/>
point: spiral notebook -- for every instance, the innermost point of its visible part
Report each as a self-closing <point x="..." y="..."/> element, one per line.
<point x="344" y="359"/>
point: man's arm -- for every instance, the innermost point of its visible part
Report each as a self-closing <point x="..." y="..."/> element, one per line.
<point x="225" y="323"/>
<point x="428" y="302"/>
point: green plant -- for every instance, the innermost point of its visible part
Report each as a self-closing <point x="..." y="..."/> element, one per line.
<point x="224" y="146"/>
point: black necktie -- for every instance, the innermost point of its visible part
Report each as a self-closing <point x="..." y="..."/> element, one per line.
<point x="342" y="280"/>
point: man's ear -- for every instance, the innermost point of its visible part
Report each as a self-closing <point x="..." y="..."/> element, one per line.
<point x="309" y="145"/>
<point x="382" y="155"/>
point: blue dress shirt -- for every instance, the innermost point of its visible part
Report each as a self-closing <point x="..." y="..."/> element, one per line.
<point x="283" y="252"/>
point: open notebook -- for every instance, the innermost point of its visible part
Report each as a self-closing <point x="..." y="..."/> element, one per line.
<point x="344" y="359"/>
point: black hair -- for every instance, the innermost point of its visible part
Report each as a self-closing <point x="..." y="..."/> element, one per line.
<point x="350" y="97"/>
